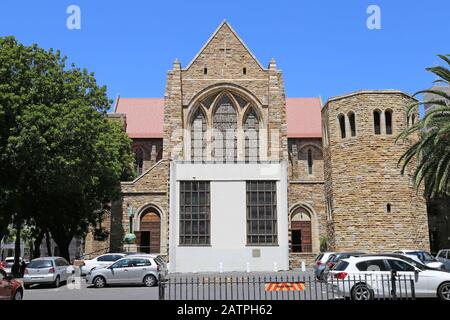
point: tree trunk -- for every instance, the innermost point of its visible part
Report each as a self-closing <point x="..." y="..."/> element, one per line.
<point x="63" y="241"/>
<point x="47" y="242"/>
<point x="64" y="251"/>
<point x="16" y="266"/>
<point x="37" y="245"/>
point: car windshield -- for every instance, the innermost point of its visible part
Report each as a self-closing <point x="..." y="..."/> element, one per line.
<point x="39" y="264"/>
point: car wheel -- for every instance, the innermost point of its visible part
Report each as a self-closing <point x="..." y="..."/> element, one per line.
<point x="18" y="295"/>
<point x="99" y="282"/>
<point x="57" y="282"/>
<point x="150" y="281"/>
<point x="444" y="291"/>
<point x="361" y="292"/>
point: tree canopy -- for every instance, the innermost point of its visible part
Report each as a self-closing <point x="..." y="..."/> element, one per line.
<point x="432" y="150"/>
<point x="61" y="157"/>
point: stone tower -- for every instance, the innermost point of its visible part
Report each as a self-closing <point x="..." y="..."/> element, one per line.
<point x="370" y="205"/>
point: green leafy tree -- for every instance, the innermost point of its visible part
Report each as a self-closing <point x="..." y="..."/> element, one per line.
<point x="61" y="155"/>
<point x="432" y="149"/>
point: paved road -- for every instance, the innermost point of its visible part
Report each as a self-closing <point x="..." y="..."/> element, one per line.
<point x="80" y="291"/>
<point x="68" y="292"/>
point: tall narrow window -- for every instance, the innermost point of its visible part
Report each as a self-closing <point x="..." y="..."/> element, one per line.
<point x="261" y="213"/>
<point x="138" y="161"/>
<point x="388" y="119"/>
<point x="251" y="134"/>
<point x="194" y="213"/>
<point x="352" y="120"/>
<point x="225" y="131"/>
<point x="388" y="208"/>
<point x="310" y="162"/>
<point x="413" y="120"/>
<point x="198" y="137"/>
<point x="377" y="121"/>
<point x="341" y="119"/>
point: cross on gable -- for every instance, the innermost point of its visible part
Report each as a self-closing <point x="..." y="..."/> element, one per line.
<point x="225" y="50"/>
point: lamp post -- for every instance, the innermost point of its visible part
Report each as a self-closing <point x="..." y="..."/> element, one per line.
<point x="130" y="237"/>
<point x="131" y="216"/>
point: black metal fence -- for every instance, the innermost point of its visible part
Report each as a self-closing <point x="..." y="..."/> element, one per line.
<point x="287" y="287"/>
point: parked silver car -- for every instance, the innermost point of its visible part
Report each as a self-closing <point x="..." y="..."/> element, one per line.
<point x="443" y="256"/>
<point x="48" y="270"/>
<point x="136" y="269"/>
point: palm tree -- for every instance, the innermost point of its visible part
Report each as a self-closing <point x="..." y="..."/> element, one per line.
<point x="432" y="149"/>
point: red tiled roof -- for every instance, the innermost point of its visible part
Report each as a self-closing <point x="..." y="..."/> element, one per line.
<point x="145" y="117"/>
<point x="304" y="117"/>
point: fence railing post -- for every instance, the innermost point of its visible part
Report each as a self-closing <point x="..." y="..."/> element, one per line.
<point x="393" y="284"/>
<point x="162" y="287"/>
<point x="413" y="289"/>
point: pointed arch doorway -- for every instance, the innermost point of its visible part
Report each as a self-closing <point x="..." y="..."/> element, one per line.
<point x="301" y="231"/>
<point x="148" y="238"/>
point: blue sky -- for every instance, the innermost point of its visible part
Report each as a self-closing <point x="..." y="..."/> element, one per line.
<point x="323" y="47"/>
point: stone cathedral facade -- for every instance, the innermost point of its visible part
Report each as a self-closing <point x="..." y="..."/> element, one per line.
<point x="232" y="174"/>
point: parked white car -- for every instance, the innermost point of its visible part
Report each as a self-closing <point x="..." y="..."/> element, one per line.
<point x="444" y="257"/>
<point x="135" y="269"/>
<point x="424" y="257"/>
<point x="366" y="278"/>
<point x="8" y="263"/>
<point x="48" y="270"/>
<point x="103" y="260"/>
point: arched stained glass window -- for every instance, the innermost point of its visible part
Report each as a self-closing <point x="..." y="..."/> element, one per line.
<point x="224" y="131"/>
<point x="251" y="133"/>
<point x="198" y="137"/>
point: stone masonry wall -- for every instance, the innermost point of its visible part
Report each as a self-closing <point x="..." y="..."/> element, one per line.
<point x="362" y="177"/>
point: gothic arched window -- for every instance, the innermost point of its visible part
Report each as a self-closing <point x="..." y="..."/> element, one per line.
<point x="352" y="120"/>
<point x="251" y="133"/>
<point x="138" y="161"/>
<point x="341" y="119"/>
<point x="377" y="122"/>
<point x="388" y="120"/>
<point x="198" y="137"/>
<point x="310" y="162"/>
<point x="224" y="131"/>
